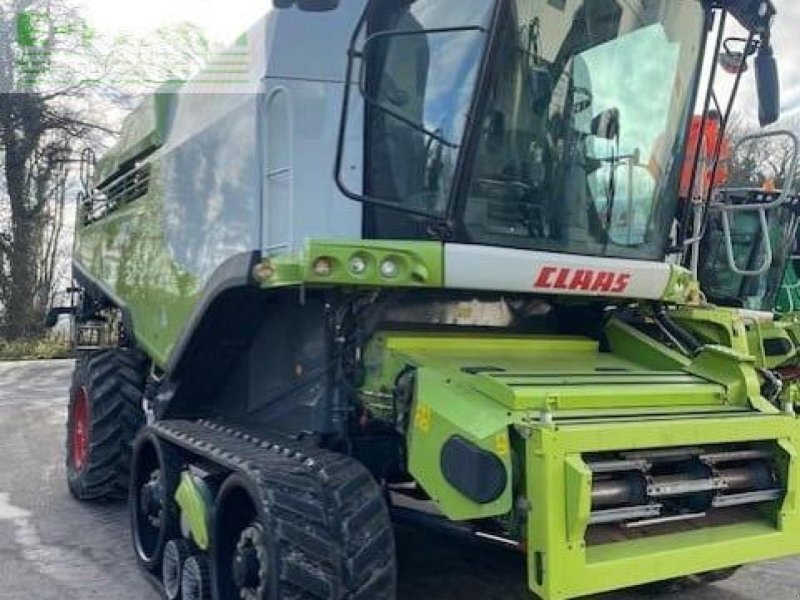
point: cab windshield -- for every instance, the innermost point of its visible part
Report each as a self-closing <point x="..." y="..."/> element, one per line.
<point x="584" y="127"/>
<point x="570" y="142"/>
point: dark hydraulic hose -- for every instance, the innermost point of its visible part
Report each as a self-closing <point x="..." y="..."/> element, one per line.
<point x="684" y="337"/>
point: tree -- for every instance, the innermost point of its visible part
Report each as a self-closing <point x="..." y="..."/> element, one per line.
<point x="38" y="130"/>
<point x="56" y="88"/>
<point x="764" y="160"/>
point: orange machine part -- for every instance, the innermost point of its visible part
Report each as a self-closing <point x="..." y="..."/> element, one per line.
<point x="705" y="166"/>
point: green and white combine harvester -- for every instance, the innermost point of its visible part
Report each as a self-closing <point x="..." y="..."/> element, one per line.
<point x="407" y="261"/>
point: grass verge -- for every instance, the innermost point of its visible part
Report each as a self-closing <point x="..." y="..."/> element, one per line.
<point x="37" y="349"/>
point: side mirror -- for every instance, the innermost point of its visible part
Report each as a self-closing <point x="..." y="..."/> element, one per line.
<point x="606" y="124"/>
<point x="733" y="62"/>
<point x="308" y="5"/>
<point x="768" y="85"/>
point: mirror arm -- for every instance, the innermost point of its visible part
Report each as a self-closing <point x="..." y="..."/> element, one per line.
<point x="754" y="15"/>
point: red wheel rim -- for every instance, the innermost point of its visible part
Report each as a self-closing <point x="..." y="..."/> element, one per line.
<point x="80" y="428"/>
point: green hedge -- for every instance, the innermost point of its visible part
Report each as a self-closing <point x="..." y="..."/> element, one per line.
<point x="34" y="349"/>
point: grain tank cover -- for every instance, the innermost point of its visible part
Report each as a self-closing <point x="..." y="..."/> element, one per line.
<point x="143" y="131"/>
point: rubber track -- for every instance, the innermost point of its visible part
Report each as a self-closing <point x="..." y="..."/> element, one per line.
<point x="331" y="522"/>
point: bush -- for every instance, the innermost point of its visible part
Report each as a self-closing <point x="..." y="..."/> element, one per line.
<point x="35" y="349"/>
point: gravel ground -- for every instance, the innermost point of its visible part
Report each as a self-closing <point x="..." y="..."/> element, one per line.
<point x="52" y="548"/>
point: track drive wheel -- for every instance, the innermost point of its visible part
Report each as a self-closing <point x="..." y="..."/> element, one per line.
<point x="103" y="416"/>
<point x="284" y="533"/>
<point x="155" y="474"/>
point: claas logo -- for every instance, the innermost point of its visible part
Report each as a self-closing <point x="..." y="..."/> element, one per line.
<point x="585" y="280"/>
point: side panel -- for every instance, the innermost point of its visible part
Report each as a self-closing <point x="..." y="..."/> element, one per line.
<point x="221" y="187"/>
<point x="506" y="269"/>
<point x="127" y="254"/>
<point x="211" y="182"/>
<point x="279" y="380"/>
<point x="318" y="209"/>
<point x="202" y="207"/>
<point x="279" y="176"/>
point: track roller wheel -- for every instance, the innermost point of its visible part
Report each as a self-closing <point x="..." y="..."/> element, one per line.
<point x="175" y="553"/>
<point x="196" y="582"/>
<point x="284" y="531"/>
<point x="103" y="416"/>
<point x="155" y="473"/>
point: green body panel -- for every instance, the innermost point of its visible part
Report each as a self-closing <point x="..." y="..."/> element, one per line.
<point x="632" y="344"/>
<point x="552" y="374"/>
<point x="548" y="401"/>
<point x="143" y="131"/>
<point x="455" y="410"/>
<point x="562" y="565"/>
<point x="420" y="264"/>
<point x="195" y="508"/>
<point x="127" y="253"/>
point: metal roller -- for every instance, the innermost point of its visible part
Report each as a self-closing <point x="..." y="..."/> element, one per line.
<point x="675" y="484"/>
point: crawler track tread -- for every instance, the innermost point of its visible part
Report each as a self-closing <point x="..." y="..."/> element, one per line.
<point x="327" y="513"/>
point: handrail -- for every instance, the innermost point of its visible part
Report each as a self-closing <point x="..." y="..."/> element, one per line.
<point x="761" y="208"/>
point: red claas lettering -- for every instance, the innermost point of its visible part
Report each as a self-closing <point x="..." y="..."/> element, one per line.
<point x="591" y="280"/>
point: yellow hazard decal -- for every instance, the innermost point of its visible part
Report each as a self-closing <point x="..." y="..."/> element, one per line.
<point x="501" y="444"/>
<point x="423" y="418"/>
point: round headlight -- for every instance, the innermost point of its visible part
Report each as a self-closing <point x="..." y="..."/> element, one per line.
<point x="389" y="268"/>
<point x="358" y="266"/>
<point x="323" y="267"/>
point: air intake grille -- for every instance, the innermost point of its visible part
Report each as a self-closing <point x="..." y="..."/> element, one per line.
<point x="119" y="192"/>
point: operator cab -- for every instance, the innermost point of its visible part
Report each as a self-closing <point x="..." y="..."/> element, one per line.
<point x="482" y="126"/>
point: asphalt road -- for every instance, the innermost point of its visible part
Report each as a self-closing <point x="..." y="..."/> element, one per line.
<point x="52" y="548"/>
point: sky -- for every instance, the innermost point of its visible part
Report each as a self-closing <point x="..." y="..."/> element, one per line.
<point x="786" y="42"/>
<point x="224" y="20"/>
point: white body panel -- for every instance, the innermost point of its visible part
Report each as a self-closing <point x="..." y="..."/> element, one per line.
<point x="511" y="270"/>
<point x="757" y="316"/>
<point x="248" y="164"/>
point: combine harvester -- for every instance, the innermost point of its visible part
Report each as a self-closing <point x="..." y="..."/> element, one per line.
<point x="383" y="278"/>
